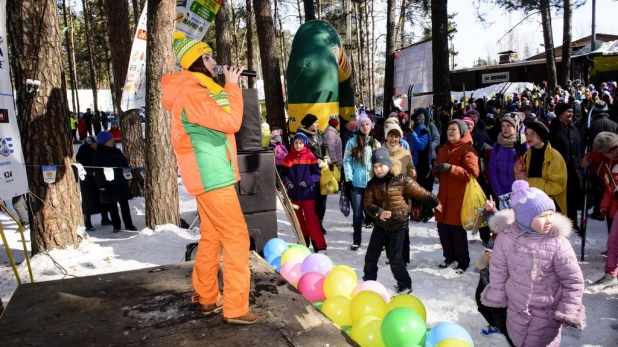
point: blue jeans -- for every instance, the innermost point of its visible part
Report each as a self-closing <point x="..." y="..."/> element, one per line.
<point x="357" y="198"/>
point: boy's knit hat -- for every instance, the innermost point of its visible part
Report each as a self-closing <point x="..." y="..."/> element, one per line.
<point x="604" y="142"/>
<point x="393" y="126"/>
<point x="529" y="202"/>
<point x="513" y="118"/>
<point x="187" y="50"/>
<point x="600" y="107"/>
<point x="308" y="120"/>
<point x="302" y="137"/>
<point x="103" y="137"/>
<point x="115" y="122"/>
<point x="463" y="128"/>
<point x="381" y="156"/>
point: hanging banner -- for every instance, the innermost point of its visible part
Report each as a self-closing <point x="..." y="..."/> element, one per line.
<point x="193" y="17"/>
<point x="13" y="177"/>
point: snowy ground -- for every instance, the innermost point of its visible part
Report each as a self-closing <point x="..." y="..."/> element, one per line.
<point x="447" y="296"/>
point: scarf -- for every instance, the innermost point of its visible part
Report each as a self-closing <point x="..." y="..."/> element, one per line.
<point x="217" y="93"/>
<point x="507" y="141"/>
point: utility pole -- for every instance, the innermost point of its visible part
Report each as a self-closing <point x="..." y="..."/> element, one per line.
<point x="594" y="29"/>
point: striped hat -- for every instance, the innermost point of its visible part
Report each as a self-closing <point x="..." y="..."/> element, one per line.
<point x="187" y="51"/>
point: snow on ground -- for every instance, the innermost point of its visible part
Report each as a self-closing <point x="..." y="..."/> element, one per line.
<point x="447" y="296"/>
<point x="515" y="87"/>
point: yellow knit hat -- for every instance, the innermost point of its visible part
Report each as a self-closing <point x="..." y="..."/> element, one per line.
<point x="188" y="50"/>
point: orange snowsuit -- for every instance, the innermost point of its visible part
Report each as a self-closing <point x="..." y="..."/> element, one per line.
<point x="203" y="140"/>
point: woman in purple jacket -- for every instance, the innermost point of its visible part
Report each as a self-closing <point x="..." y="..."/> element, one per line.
<point x="534" y="271"/>
<point x="505" y="153"/>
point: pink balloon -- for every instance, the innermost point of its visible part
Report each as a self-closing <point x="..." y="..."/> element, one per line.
<point x="291" y="271"/>
<point x="374" y="286"/>
<point x="311" y="286"/>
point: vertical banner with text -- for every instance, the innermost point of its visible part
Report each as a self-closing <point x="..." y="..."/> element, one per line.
<point x="193" y="17"/>
<point x="13" y="179"/>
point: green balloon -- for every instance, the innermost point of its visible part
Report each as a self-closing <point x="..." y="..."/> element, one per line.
<point x="305" y="249"/>
<point x="347" y="329"/>
<point x="318" y="304"/>
<point x="403" y="327"/>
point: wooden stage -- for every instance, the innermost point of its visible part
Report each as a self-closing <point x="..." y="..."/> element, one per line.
<point x="152" y="307"/>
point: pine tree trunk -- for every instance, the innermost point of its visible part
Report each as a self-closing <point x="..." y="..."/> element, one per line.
<point x="224" y="34"/>
<point x="270" y="65"/>
<point x="71" y="52"/>
<point x="108" y="57"/>
<point x="359" y="52"/>
<point x="161" y="183"/>
<point x="567" y="37"/>
<point x="300" y="15"/>
<point x="130" y="122"/>
<point x="549" y="46"/>
<point x="235" y="35"/>
<point x="281" y="37"/>
<point x="136" y="11"/>
<point x="439" y="50"/>
<point x="309" y="10"/>
<point x="44" y="123"/>
<point x="390" y="58"/>
<point x="372" y="56"/>
<point x="91" y="60"/>
<point x="367" y="50"/>
<point x="400" y="24"/>
<point x="250" y="64"/>
<point x="318" y="4"/>
<point x="69" y="48"/>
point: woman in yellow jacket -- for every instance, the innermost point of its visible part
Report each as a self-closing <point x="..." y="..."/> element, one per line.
<point x="542" y="166"/>
<point x="205" y="117"/>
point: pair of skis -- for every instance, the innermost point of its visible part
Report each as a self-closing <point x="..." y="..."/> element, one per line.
<point x="583" y="225"/>
<point x="289" y="208"/>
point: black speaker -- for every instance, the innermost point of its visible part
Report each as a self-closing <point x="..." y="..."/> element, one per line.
<point x="249" y="137"/>
<point x="256" y="189"/>
<point x="262" y="227"/>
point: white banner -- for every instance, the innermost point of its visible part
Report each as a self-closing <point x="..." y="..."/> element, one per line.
<point x="414" y="66"/>
<point x="193" y="17"/>
<point x="13" y="177"/>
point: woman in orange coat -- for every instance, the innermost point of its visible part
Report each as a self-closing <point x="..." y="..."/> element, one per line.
<point x="456" y="164"/>
<point x="205" y="117"/>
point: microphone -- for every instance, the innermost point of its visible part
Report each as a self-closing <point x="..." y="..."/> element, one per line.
<point x="246" y="73"/>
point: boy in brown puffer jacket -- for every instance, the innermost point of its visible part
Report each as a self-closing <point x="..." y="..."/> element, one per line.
<point x="386" y="199"/>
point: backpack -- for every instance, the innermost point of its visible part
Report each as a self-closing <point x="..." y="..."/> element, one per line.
<point x="280" y="153"/>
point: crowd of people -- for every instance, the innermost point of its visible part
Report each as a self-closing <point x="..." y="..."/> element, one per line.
<point x="91" y="124"/>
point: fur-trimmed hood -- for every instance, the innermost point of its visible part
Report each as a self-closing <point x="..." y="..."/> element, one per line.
<point x="505" y="218"/>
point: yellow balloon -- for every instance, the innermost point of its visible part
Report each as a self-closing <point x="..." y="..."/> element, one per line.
<point x="337" y="308"/>
<point x="453" y="343"/>
<point x="365" y="304"/>
<point x="293" y="254"/>
<point x="339" y="282"/>
<point x="366" y="332"/>
<point x="346" y="269"/>
<point x="410" y="301"/>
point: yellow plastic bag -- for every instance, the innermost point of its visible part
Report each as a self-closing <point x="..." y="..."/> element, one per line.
<point x="474" y="199"/>
<point x="336" y="173"/>
<point x="328" y="183"/>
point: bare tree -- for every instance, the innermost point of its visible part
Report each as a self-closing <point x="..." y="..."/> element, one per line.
<point x="309" y="10"/>
<point x="549" y="45"/>
<point x="136" y="11"/>
<point x="108" y="55"/>
<point x="91" y="60"/>
<point x="440" y="53"/>
<point x="161" y="175"/>
<point x="44" y="123"/>
<point x="250" y="65"/>
<point x="270" y="65"/>
<point x="390" y="56"/>
<point x="118" y="31"/>
<point x="68" y="37"/>
<point x="224" y="33"/>
<point x="567" y="37"/>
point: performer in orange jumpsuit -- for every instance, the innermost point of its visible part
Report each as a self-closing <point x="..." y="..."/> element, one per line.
<point x="205" y="117"/>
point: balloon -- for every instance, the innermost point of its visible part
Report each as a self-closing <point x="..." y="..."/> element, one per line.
<point x="339" y="283"/>
<point x="319" y="304"/>
<point x="306" y="250"/>
<point x="297" y="254"/>
<point x="346" y="269"/>
<point x="276" y="263"/>
<point x="410" y="301"/>
<point x="311" y="286"/>
<point x="274" y="248"/>
<point x="402" y="327"/>
<point x="453" y="343"/>
<point x="447" y="330"/>
<point x="337" y="308"/>
<point x="366" y="332"/>
<point x="317" y="262"/>
<point x="374" y="286"/>
<point x="291" y="271"/>
<point x="366" y="304"/>
<point x="347" y="329"/>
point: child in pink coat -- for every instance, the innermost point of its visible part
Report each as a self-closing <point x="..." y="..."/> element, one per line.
<point x="534" y="270"/>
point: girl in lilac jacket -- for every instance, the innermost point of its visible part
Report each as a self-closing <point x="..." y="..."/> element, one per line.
<point x="534" y="271"/>
<point x="504" y="153"/>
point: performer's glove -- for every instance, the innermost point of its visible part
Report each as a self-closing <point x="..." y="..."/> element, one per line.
<point x="303" y="184"/>
<point x="290" y="186"/>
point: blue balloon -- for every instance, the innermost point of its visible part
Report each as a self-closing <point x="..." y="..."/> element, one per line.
<point x="274" y="248"/>
<point x="447" y="330"/>
<point x="276" y="263"/>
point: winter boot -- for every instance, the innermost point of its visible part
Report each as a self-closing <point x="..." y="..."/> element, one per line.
<point x="248" y="318"/>
<point x="131" y="228"/>
<point x="355" y="247"/>
<point x="605" y="282"/>
<point x="490" y="331"/>
<point x="401" y="288"/>
<point x="445" y="264"/>
<point x="209" y="309"/>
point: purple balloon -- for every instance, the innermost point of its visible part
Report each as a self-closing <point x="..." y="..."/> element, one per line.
<point x="316" y="262"/>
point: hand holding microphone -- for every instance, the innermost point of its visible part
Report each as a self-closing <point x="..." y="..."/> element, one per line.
<point x="221" y="70"/>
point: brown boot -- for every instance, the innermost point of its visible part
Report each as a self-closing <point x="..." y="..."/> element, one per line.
<point x="209" y="309"/>
<point x="248" y="318"/>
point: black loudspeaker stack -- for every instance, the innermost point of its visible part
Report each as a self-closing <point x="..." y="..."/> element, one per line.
<point x="256" y="189"/>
